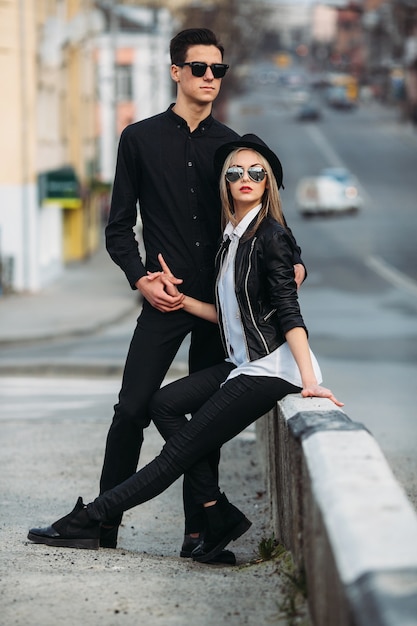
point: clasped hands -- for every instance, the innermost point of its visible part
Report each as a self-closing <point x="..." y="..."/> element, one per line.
<point x="160" y="289"/>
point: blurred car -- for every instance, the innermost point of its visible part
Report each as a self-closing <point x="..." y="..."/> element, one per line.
<point x="334" y="190"/>
<point x="308" y="112"/>
<point x="337" y="98"/>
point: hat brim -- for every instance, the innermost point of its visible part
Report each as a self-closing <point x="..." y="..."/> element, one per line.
<point x="223" y="152"/>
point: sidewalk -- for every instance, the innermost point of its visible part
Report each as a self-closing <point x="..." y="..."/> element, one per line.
<point x="88" y="296"/>
<point x="48" y="460"/>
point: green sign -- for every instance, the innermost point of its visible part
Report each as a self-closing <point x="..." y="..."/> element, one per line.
<point x="60" y="186"/>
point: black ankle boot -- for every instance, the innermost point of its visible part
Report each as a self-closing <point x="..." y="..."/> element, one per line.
<point x="224" y="523"/>
<point x="108" y="536"/>
<point x="75" y="530"/>
<point x="225" y="557"/>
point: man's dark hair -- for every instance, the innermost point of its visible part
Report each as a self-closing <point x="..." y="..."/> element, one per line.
<point x="192" y="37"/>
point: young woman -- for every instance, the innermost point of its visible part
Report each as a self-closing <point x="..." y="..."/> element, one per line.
<point x="268" y="357"/>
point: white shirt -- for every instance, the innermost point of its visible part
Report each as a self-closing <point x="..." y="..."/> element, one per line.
<point x="280" y="363"/>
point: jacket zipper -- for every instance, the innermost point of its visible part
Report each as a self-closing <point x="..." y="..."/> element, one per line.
<point x="270" y="314"/>
<point x="221" y="252"/>
<point x="252" y="316"/>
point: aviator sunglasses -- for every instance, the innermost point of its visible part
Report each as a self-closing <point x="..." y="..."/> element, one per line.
<point x="198" y="68"/>
<point x="255" y="173"/>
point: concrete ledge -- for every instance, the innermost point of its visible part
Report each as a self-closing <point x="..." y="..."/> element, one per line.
<point x="337" y="506"/>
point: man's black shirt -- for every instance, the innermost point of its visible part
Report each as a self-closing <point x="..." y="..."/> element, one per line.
<point x="169" y="171"/>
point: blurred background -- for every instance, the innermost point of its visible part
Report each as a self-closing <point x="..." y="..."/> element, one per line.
<point x="74" y="73"/>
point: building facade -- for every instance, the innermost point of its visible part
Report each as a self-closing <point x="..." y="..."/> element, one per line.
<point x="47" y="114"/>
<point x="72" y="80"/>
<point x="132" y="72"/>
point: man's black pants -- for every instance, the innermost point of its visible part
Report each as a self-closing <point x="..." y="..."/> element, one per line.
<point x="155" y="342"/>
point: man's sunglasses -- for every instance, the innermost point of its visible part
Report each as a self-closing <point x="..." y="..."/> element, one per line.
<point x="255" y="173"/>
<point x="199" y="68"/>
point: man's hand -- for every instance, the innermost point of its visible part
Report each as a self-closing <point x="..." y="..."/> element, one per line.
<point x="160" y="289"/>
<point x="299" y="274"/>
<point x="161" y="292"/>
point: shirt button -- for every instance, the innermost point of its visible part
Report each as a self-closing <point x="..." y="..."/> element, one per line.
<point x="192" y="189"/>
<point x="194" y="217"/>
<point x="190" y="164"/>
<point x="197" y="243"/>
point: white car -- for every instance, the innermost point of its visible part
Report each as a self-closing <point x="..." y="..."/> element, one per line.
<point x="334" y="190"/>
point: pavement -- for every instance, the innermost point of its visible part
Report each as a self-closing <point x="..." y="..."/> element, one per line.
<point x="87" y="296"/>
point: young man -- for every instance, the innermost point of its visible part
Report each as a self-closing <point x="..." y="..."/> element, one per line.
<point x="165" y="163"/>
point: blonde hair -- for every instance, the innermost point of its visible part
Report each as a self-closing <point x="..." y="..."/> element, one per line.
<point x="271" y="200"/>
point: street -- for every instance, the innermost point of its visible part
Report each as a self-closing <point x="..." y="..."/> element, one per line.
<point x="360" y="297"/>
<point x="360" y="304"/>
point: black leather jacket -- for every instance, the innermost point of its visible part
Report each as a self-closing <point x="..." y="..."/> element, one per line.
<point x="265" y="287"/>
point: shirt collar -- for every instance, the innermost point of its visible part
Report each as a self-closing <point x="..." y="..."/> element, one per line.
<point x="231" y="231"/>
<point x="180" y="120"/>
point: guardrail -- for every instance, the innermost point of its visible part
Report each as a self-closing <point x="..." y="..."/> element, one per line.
<point x="336" y="505"/>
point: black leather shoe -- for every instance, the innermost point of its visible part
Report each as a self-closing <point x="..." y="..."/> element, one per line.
<point x="75" y="530"/>
<point x="225" y="557"/>
<point x="225" y="523"/>
<point x="108" y="536"/>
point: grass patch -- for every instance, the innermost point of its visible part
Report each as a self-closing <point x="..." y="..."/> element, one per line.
<point x="293" y="604"/>
<point x="292" y="584"/>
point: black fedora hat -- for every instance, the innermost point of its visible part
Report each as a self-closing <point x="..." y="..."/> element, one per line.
<point x="253" y="143"/>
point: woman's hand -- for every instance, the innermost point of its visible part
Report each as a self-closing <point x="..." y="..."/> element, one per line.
<point x="168" y="278"/>
<point x="153" y="288"/>
<point x="169" y="282"/>
<point x="160" y="289"/>
<point x="317" y="391"/>
<point x="174" y="299"/>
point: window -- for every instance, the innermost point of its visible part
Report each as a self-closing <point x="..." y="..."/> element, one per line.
<point x="124" y="82"/>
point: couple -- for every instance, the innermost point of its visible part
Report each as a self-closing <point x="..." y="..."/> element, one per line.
<point x="268" y="357"/>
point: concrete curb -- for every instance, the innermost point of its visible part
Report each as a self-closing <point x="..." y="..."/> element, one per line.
<point x="337" y="506"/>
<point x="90" y="369"/>
<point x="78" y="327"/>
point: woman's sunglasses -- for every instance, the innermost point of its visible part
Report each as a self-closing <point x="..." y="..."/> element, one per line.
<point x="199" y="68"/>
<point x="255" y="173"/>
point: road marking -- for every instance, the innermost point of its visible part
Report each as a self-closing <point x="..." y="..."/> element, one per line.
<point x="32" y="386"/>
<point x="36" y="398"/>
<point x="378" y="265"/>
<point x="324" y="146"/>
<point x="392" y="275"/>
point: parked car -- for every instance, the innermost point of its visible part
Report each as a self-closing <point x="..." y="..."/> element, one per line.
<point x="334" y="190"/>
